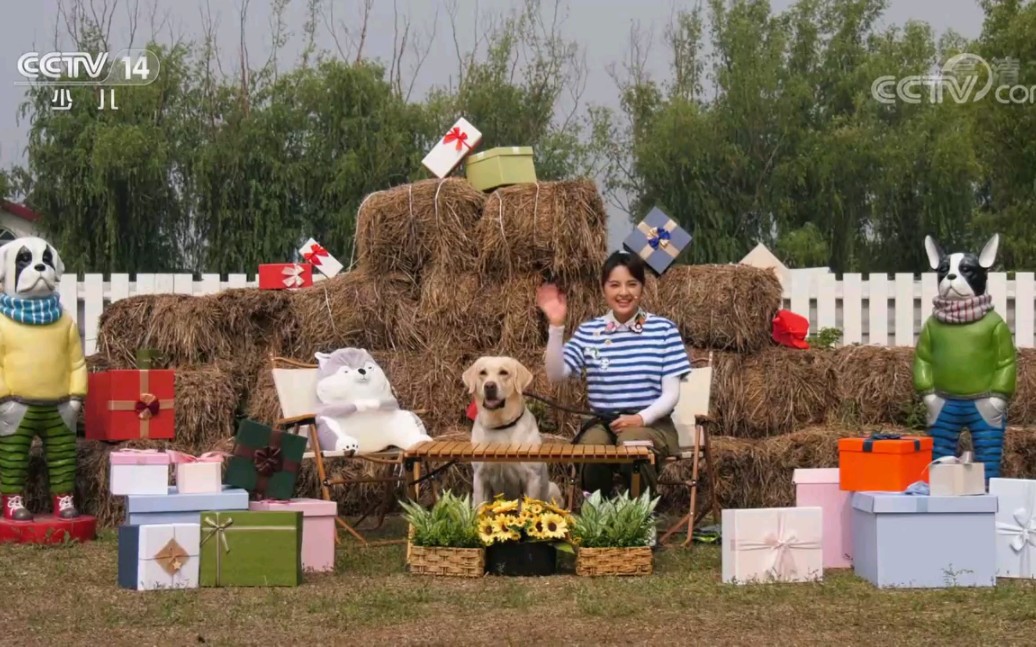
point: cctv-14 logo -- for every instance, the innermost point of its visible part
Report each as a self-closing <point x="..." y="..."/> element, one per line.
<point x="64" y="70"/>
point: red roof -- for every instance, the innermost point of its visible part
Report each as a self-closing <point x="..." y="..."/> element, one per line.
<point x="19" y="210"/>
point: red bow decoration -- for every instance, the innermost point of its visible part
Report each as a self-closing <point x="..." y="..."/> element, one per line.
<point x="456" y="135"/>
<point x="146" y="406"/>
<point x="268" y="460"/>
<point x="315" y="251"/>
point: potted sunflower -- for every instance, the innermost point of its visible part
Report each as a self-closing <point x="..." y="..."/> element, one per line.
<point x="614" y="536"/>
<point x="522" y="537"/>
<point x="443" y="540"/>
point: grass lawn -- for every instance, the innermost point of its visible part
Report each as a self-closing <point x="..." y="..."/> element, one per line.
<point x="68" y="594"/>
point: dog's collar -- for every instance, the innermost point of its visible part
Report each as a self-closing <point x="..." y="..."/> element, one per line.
<point x="508" y="425"/>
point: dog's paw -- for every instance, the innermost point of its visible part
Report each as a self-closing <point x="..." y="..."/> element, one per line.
<point x="346" y="444"/>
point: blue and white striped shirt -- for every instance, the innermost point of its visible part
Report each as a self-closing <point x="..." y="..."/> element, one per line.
<point x="624" y="369"/>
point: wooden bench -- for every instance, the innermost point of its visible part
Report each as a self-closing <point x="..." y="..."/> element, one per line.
<point x="466" y="452"/>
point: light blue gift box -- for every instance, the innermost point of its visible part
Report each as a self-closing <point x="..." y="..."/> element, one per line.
<point x="906" y="541"/>
<point x="181" y="508"/>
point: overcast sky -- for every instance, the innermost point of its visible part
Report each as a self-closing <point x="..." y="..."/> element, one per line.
<point x="601" y="27"/>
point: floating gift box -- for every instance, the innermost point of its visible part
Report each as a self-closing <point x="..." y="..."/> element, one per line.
<point x="1015" y="527"/>
<point x="883" y="462"/>
<point x="952" y="476"/>
<point x="138" y="472"/>
<point x="909" y="541"/>
<point x="772" y="545"/>
<point x="265" y="461"/>
<point x="131" y="405"/>
<point x="499" y="167"/>
<point x="658" y="239"/>
<point x="452" y="148"/>
<point x="318" y="529"/>
<point x="320" y="259"/>
<point x="819" y="488"/>
<point x="177" y="507"/>
<point x="198" y="474"/>
<point x="251" y="548"/>
<point x="285" y="276"/>
<point x="161" y="556"/>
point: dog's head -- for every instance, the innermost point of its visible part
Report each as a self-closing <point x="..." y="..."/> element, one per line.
<point x="961" y="275"/>
<point x="350" y="374"/>
<point x="30" y="268"/>
<point x="497" y="381"/>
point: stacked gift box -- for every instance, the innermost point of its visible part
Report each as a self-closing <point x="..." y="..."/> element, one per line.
<point x="296" y="275"/>
<point x="211" y="530"/>
<point x="488" y="170"/>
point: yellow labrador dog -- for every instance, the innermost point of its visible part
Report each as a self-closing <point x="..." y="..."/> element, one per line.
<point x="497" y="384"/>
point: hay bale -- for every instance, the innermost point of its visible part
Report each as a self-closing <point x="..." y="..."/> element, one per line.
<point x="772" y="392"/>
<point x="727" y="307"/>
<point x="206" y="403"/>
<point x="546" y="227"/>
<point x="458" y="309"/>
<point x="1022" y="408"/>
<point x="875" y="384"/>
<point x="403" y="228"/>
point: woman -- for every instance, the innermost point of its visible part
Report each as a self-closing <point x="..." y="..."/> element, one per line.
<point x="634" y="363"/>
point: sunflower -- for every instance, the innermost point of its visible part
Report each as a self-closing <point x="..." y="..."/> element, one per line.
<point x="501" y="507"/>
<point x="553" y="526"/>
<point x="486" y="528"/>
<point x="532" y="506"/>
<point x="536" y="529"/>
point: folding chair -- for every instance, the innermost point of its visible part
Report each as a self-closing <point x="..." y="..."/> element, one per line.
<point x="691" y="418"/>
<point x="296" y="391"/>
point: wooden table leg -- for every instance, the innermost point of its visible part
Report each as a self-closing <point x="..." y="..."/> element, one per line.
<point x="635" y="480"/>
<point x="416" y="469"/>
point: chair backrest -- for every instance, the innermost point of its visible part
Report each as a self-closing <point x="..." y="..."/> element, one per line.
<point x="695" y="400"/>
<point x="296" y="390"/>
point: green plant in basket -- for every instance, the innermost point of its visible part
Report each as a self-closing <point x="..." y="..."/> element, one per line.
<point x="620" y="522"/>
<point x="450" y="523"/>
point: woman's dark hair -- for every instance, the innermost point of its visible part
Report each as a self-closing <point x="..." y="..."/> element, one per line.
<point x="633" y="263"/>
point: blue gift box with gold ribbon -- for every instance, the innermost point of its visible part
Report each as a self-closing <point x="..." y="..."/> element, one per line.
<point x="658" y="239"/>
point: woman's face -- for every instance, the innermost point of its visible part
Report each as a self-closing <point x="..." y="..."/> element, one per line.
<point x="622" y="292"/>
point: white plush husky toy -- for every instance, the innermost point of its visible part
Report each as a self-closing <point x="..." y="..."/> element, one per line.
<point x="359" y="411"/>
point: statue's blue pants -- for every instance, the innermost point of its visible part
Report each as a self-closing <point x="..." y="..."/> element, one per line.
<point x="987" y="439"/>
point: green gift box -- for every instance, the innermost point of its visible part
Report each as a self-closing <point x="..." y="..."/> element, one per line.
<point x="244" y="548"/>
<point x="499" y="167"/>
<point x="265" y="461"/>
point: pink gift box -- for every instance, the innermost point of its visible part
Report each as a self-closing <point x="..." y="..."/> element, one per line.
<point x="820" y="488"/>
<point x="318" y="529"/>
<point x="139" y="457"/>
<point x="138" y="472"/>
<point x="198" y="474"/>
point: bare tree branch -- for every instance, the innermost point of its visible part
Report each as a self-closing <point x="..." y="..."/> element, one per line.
<point x="243" y="55"/>
<point x="422" y="56"/>
<point x="132" y="17"/>
<point x="367" y="4"/>
<point x="451" y="11"/>
<point x="329" y="23"/>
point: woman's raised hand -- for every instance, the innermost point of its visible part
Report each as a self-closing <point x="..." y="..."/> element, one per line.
<point x="552" y="302"/>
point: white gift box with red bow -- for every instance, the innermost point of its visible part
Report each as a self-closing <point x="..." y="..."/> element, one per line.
<point x="285" y="276"/>
<point x="452" y="148"/>
<point x="321" y="260"/>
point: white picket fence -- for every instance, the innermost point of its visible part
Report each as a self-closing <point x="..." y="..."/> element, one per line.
<point x="869" y="310"/>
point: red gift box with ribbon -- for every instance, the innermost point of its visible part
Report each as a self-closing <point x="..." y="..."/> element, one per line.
<point x="130" y="405"/>
<point x="285" y="276"/>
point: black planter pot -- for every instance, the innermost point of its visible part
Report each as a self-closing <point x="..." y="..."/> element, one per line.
<point x="521" y="559"/>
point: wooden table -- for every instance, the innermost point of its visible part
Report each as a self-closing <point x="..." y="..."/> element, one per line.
<point x="466" y="452"/>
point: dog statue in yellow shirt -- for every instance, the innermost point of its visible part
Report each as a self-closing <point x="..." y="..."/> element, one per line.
<point x="42" y="376"/>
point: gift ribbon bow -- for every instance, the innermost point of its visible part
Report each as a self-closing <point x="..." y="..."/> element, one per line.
<point x="658" y="239"/>
<point x="183" y="457"/>
<point x="314" y="254"/>
<point x="171" y="557"/>
<point x="781" y="544"/>
<point x="868" y="445"/>
<point x="1022" y="531"/>
<point x="457" y="135"/>
<point x="146" y="406"/>
<point x="293" y="275"/>
<point x="268" y="460"/>
<point x="214" y="525"/>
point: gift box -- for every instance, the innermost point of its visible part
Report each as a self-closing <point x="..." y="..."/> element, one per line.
<point x="1015" y="526"/>
<point x="818" y="488"/>
<point x="198" y="474"/>
<point x="952" y="476"/>
<point x="178" y="507"/>
<point x="658" y="239"/>
<point x="320" y="259"/>
<point x="318" y="529"/>
<point x="138" y="471"/>
<point x="499" y="167"/>
<point x="265" y="461"/>
<point x="130" y="405"/>
<point x="251" y="548"/>
<point x="161" y="556"/>
<point x="452" y="148"/>
<point x="911" y="541"/>
<point x="772" y="545"/>
<point x="883" y="462"/>
<point x="285" y="276"/>
<point x="149" y="358"/>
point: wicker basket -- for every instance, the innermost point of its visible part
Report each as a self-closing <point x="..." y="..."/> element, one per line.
<point x="614" y="561"/>
<point x="452" y="562"/>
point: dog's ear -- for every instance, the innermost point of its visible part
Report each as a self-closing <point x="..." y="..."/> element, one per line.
<point x="470" y="376"/>
<point x="59" y="265"/>
<point x="934" y="252"/>
<point x="4" y="249"/>
<point x="522" y="375"/>
<point x="322" y="358"/>
<point x="988" y="255"/>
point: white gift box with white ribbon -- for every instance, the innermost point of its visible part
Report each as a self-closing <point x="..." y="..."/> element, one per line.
<point x="952" y="476"/>
<point x="773" y="545"/>
<point x="452" y="148"/>
<point x="1015" y="527"/>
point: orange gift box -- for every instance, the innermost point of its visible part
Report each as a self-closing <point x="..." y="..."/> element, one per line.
<point x="883" y="462"/>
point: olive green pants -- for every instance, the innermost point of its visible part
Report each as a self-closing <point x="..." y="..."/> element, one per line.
<point x="601" y="477"/>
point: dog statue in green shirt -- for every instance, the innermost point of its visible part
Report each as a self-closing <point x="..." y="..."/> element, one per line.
<point x="965" y="364"/>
